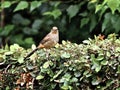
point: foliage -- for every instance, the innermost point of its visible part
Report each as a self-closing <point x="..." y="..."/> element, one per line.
<point x="26" y="21"/>
<point x="93" y="65"/>
<point x="114" y="5"/>
<point x="109" y="18"/>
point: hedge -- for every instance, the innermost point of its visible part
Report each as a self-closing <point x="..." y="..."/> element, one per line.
<point x="92" y="65"/>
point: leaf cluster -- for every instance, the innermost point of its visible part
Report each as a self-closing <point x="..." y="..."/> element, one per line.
<point x="93" y="65"/>
<point x="26" y="21"/>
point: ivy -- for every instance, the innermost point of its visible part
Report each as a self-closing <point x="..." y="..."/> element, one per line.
<point x="21" y="6"/>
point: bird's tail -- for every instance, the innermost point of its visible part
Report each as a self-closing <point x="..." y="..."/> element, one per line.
<point x="29" y="54"/>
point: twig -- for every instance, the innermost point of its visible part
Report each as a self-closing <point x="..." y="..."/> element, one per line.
<point x="7" y="68"/>
<point x="2" y="16"/>
<point x="33" y="83"/>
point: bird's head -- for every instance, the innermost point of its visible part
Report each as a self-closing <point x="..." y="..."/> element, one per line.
<point x="54" y="30"/>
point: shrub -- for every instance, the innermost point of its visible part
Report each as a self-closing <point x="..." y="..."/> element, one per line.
<point x="93" y="65"/>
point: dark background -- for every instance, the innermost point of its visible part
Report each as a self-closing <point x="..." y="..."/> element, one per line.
<point x="76" y="21"/>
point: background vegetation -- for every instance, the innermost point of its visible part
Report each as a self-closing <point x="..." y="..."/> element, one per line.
<point x="26" y="22"/>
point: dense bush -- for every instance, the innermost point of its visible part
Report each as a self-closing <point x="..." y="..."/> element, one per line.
<point x="93" y="65"/>
<point x="24" y="22"/>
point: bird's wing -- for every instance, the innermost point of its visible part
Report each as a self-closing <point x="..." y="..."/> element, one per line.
<point x="45" y="39"/>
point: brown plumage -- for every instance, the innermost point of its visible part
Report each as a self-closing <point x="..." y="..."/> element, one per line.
<point x="49" y="41"/>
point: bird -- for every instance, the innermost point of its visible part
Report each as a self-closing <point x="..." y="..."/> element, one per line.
<point x="49" y="41"/>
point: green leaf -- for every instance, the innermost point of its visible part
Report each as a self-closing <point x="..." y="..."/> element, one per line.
<point x="109" y="83"/>
<point x="104" y="2"/>
<point x="19" y="19"/>
<point x="77" y="74"/>
<point x="84" y="14"/>
<point x="113" y="4"/>
<point x="36" y="24"/>
<point x="8" y="53"/>
<point x="118" y="9"/>
<point x="34" y="4"/>
<point x="64" y="42"/>
<point x="7" y="30"/>
<point x="18" y="38"/>
<point x="21" y="5"/>
<point x="55" y="13"/>
<point x="115" y="20"/>
<point x="48" y="13"/>
<point x="98" y="68"/>
<point x="25" y="22"/>
<point x="56" y="75"/>
<point x="65" y="78"/>
<point x="86" y="42"/>
<point x="56" y="4"/>
<point x="118" y="69"/>
<point x="117" y="49"/>
<point x="108" y="54"/>
<point x="6" y="4"/>
<point x="72" y="10"/>
<point x="93" y="22"/>
<point x="104" y="62"/>
<point x="65" y="55"/>
<point x="21" y="60"/>
<point x="7" y="88"/>
<point x="102" y="11"/>
<point x="6" y="47"/>
<point x="30" y="67"/>
<point x="93" y="1"/>
<point x="46" y="64"/>
<point x="99" y="58"/>
<point x="65" y="87"/>
<point x="74" y="79"/>
<point x="29" y="40"/>
<point x="14" y="47"/>
<point x="39" y="77"/>
<point x="30" y="31"/>
<point x="98" y="7"/>
<point x="95" y="82"/>
<point x="84" y="21"/>
<point x="106" y="21"/>
<point x="118" y="88"/>
<point x="85" y="72"/>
